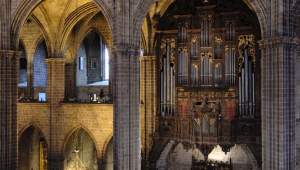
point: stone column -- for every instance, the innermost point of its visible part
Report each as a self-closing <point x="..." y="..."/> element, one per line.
<point x="9" y="75"/>
<point x="278" y="103"/>
<point x="148" y="105"/>
<point x="55" y="94"/>
<point x="127" y="141"/>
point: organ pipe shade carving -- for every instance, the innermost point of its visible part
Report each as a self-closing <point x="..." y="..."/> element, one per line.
<point x="194" y="75"/>
<point x="206" y="69"/>
<point x="230" y="75"/>
<point x="206" y="30"/>
<point x="167" y="62"/>
<point x="183" y="66"/>
<point x="246" y="76"/>
<point x="218" y="74"/>
<point x="230" y="31"/>
<point x="194" y="48"/>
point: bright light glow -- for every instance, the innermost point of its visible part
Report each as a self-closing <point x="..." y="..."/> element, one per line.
<point x="106" y="76"/>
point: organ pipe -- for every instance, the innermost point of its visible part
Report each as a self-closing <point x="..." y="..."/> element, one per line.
<point x="205" y="31"/>
<point x="167" y="80"/>
<point x="247" y="87"/>
<point x="230" y="66"/>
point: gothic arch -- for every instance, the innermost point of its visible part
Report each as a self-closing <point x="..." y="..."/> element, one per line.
<point x="34" y="126"/>
<point x="87" y="32"/>
<point x="71" y="131"/>
<point x="26" y="7"/>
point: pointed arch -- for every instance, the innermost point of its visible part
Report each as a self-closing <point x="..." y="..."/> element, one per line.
<point x="71" y="131"/>
<point x="23" y="129"/>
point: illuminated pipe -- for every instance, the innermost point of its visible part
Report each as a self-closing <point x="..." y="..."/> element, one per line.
<point x="168" y="78"/>
<point x="243" y="92"/>
<point x="250" y="89"/>
<point x="234" y="76"/>
<point x="240" y="96"/>
<point x="162" y="93"/>
<point x="253" y="94"/>
<point x="246" y="81"/>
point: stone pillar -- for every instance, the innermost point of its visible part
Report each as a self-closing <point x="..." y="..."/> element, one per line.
<point x="9" y="75"/>
<point x="278" y="103"/>
<point x="55" y="94"/>
<point x="127" y="141"/>
<point x="148" y="105"/>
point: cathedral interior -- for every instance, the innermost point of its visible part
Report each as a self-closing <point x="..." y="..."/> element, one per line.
<point x="149" y="84"/>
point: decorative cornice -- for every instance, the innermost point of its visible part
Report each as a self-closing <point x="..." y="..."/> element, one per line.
<point x="291" y="42"/>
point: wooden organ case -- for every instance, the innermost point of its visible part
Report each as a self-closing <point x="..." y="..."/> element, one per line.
<point x="208" y="76"/>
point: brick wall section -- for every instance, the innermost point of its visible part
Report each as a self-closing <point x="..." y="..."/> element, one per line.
<point x="8" y="109"/>
<point x="40" y="66"/>
<point x="278" y="103"/>
<point x="297" y="87"/>
<point x="148" y="108"/>
<point x="298" y="144"/>
<point x="127" y="146"/>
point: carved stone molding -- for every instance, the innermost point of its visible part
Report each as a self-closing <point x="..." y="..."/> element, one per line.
<point x="291" y="42"/>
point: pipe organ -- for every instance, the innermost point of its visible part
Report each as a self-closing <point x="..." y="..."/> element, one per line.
<point x="167" y="71"/>
<point x="246" y="76"/>
<point x="183" y="66"/>
<point x="230" y="31"/>
<point x="208" y="77"/>
<point x="230" y="58"/>
<point x="206" y="30"/>
<point x="206" y="69"/>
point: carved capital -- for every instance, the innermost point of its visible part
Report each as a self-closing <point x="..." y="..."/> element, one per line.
<point x="10" y="54"/>
<point x="290" y="42"/>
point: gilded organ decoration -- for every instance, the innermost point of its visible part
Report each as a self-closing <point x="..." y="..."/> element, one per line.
<point x="246" y="45"/>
